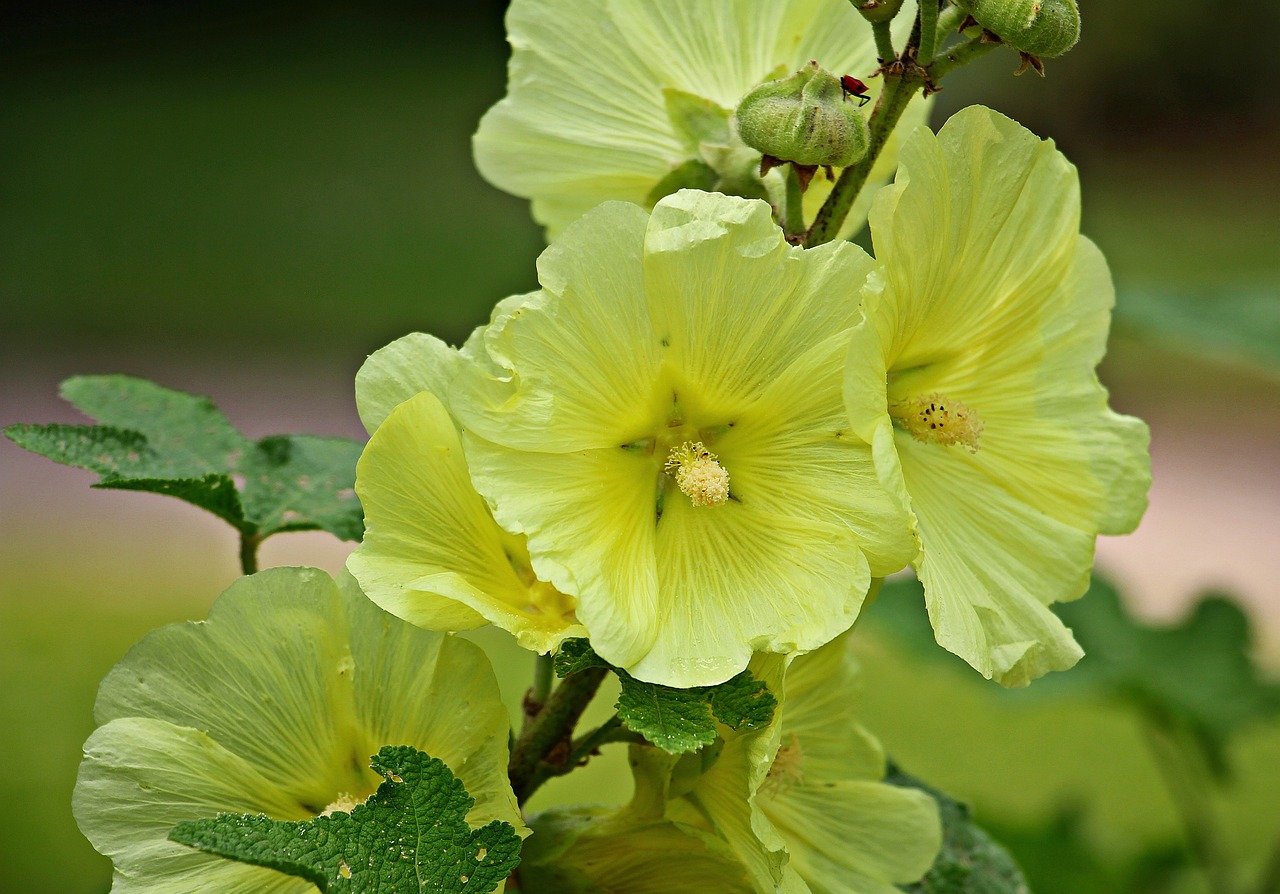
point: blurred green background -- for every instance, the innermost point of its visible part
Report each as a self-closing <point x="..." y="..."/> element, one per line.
<point x="244" y="199"/>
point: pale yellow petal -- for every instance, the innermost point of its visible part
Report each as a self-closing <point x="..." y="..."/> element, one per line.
<point x="585" y="346"/>
<point x="437" y="693"/>
<point x="391" y="375"/>
<point x="432" y="553"/>
<point x="141" y="777"/>
<point x="589" y="519"/>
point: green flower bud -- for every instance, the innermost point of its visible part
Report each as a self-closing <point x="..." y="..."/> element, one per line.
<point x="877" y="10"/>
<point x="1035" y="27"/>
<point x="803" y="119"/>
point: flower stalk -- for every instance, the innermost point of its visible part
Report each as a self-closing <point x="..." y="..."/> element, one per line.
<point x="549" y="731"/>
<point x="899" y="89"/>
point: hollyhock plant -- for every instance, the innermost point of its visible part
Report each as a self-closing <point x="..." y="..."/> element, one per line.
<point x="986" y="318"/>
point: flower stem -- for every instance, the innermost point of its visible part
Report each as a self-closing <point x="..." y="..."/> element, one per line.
<point x="884" y="41"/>
<point x="899" y="88"/>
<point x="581" y="750"/>
<point x="249" y="544"/>
<point x="546" y="738"/>
<point x="928" y="31"/>
<point x="543" y="674"/>
<point x="793" y="213"/>
<point x="960" y="54"/>
<point x="948" y="20"/>
<point x="1192" y="803"/>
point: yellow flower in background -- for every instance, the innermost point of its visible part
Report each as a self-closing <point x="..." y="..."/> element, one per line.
<point x="274" y="705"/>
<point x="632" y="99"/>
<point x="986" y="320"/>
<point x="664" y="421"/>
<point x="802" y="803"/>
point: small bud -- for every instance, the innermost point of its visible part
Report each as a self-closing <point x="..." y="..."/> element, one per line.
<point x="877" y="10"/>
<point x="1035" y="27"/>
<point x="804" y="119"/>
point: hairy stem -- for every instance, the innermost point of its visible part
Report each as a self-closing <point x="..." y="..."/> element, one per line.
<point x="793" y="213"/>
<point x="960" y="54"/>
<point x="884" y="41"/>
<point x="249" y="544"/>
<point x="543" y="674"/>
<point x="550" y="730"/>
<point x="1185" y="787"/>
<point x="928" y="31"/>
<point x="898" y="90"/>
<point x="949" y="19"/>
<point x="581" y="750"/>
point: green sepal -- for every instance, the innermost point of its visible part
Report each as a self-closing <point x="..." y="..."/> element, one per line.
<point x="678" y="720"/>
<point x="971" y="861"/>
<point x="158" y="440"/>
<point x="696" y="120"/>
<point x="693" y="174"/>
<point x="411" y="835"/>
<point x="877" y="10"/>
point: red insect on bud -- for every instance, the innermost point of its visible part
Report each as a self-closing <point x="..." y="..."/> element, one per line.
<point x="853" y="87"/>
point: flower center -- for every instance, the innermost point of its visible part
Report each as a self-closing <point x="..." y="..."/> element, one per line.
<point x="698" y="474"/>
<point x="787" y="769"/>
<point x="938" y="419"/>
<point x="344" y="803"/>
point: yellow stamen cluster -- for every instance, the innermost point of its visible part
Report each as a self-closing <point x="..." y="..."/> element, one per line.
<point x="787" y="769"/>
<point x="698" y="474"/>
<point x="344" y="803"/>
<point x="938" y="419"/>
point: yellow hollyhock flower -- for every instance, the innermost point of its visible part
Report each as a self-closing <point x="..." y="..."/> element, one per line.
<point x="986" y="320"/>
<point x="274" y="706"/>
<point x="664" y="422"/>
<point x="632" y="99"/>
<point x="628" y="851"/>
<point x="802" y="803"/>
<point x="432" y="553"/>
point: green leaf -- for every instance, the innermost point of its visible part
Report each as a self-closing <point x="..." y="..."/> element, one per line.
<point x="303" y="482"/>
<point x="411" y="835"/>
<point x="576" y="655"/>
<point x="743" y="702"/>
<point x="162" y="441"/>
<point x="187" y="431"/>
<point x="1239" y="327"/>
<point x="970" y="862"/>
<point x="677" y="720"/>
<point x="215" y="493"/>
<point x="1197" y="674"/>
<point x="102" y="449"/>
